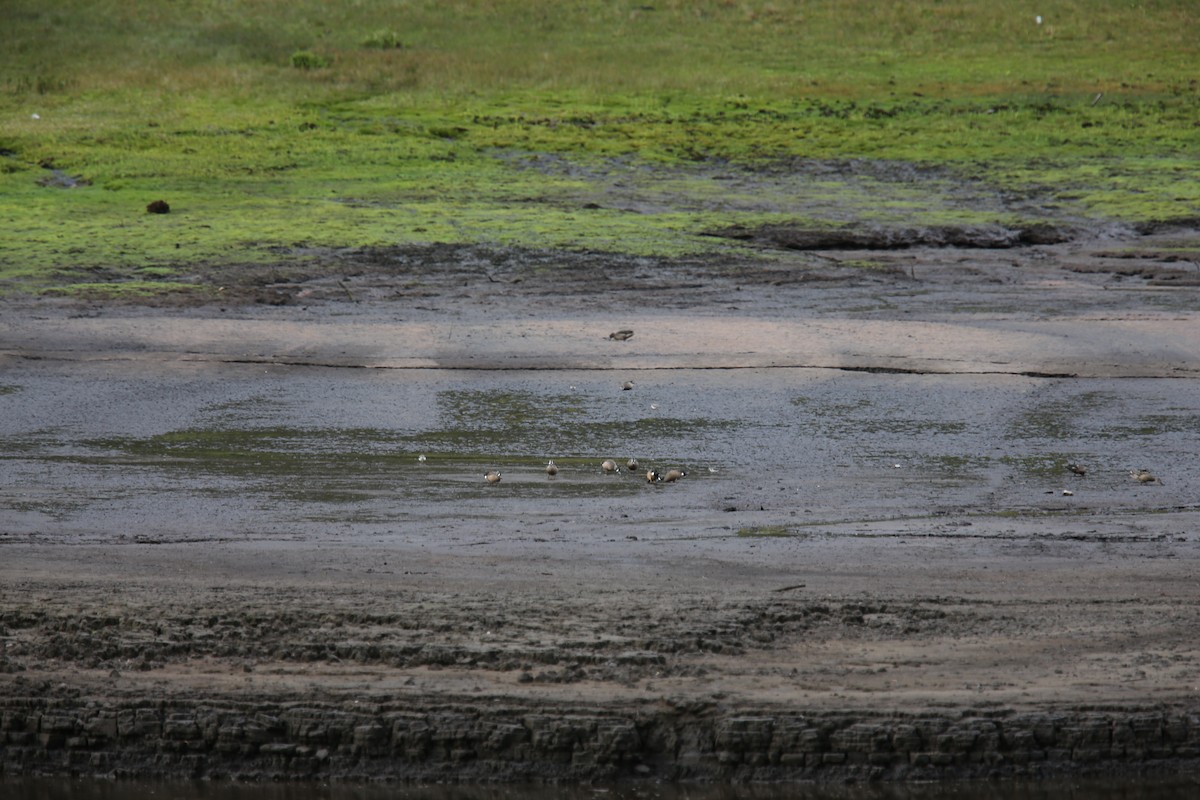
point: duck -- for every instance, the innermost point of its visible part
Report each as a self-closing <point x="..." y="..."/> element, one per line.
<point x="1144" y="476"/>
<point x="652" y="476"/>
<point x="631" y="465"/>
<point x="492" y="476"/>
<point x="551" y="468"/>
<point x="609" y="466"/>
<point x="1078" y="470"/>
<point x="674" y="475"/>
<point x="627" y="385"/>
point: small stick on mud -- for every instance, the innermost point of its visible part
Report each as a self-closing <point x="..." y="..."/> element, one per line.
<point x="789" y="588"/>
<point x="346" y="289"/>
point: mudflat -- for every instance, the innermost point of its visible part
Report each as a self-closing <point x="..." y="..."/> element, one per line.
<point x="226" y="503"/>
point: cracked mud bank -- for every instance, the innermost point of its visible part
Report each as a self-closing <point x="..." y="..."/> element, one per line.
<point x="221" y="556"/>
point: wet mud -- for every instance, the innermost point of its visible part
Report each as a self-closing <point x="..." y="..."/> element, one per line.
<point x="221" y="555"/>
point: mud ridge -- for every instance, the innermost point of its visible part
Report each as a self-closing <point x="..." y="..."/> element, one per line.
<point x="428" y="741"/>
<point x="879" y="237"/>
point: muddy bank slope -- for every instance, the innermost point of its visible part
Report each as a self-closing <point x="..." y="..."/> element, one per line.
<point x="220" y="555"/>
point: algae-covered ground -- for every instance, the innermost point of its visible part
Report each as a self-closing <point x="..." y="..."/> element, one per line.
<point x="281" y="133"/>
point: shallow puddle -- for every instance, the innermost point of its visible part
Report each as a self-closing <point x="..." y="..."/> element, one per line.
<point x="304" y="446"/>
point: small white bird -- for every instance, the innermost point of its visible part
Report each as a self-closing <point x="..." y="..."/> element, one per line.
<point x="422" y="458"/>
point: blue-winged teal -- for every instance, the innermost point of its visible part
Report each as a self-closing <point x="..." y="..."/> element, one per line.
<point x="631" y="465"/>
<point x="551" y="468"/>
<point x="652" y="476"/>
<point x="609" y="466"/>
<point x="1078" y="470"/>
<point x="674" y="475"/>
<point x="493" y="476"/>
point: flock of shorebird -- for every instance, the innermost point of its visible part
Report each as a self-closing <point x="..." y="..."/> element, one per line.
<point x="608" y="466"/>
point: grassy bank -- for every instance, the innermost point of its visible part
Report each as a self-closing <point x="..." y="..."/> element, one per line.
<point x="273" y="129"/>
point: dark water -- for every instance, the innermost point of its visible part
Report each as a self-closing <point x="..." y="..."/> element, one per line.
<point x="1174" y="788"/>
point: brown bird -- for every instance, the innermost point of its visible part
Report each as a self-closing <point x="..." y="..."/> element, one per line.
<point x="609" y="466"/>
<point x="621" y="336"/>
<point x="1144" y="476"/>
<point x="493" y="476"/>
<point x="551" y="468"/>
<point x="1078" y="470"/>
<point x="674" y="475"/>
<point x="631" y="465"/>
<point x="652" y="476"/>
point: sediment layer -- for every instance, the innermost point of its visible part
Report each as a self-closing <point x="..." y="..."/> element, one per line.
<point x="509" y="742"/>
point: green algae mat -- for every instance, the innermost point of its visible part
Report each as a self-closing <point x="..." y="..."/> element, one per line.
<point x="293" y="135"/>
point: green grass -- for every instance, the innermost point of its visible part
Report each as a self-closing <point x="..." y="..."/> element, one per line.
<point x="499" y="122"/>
